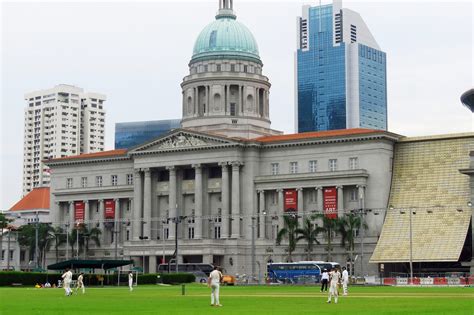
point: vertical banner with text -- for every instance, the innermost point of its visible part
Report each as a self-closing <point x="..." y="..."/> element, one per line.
<point x="109" y="208"/>
<point x="79" y="212"/>
<point x="290" y="200"/>
<point x="330" y="202"/>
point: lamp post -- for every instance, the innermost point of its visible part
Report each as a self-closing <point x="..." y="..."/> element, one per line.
<point x="410" y="229"/>
<point x="177" y="220"/>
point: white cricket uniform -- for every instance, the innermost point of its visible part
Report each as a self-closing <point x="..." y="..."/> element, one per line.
<point x="130" y="281"/>
<point x="80" y="283"/>
<point x="215" y="279"/>
<point x="335" y="276"/>
<point x="67" y="279"/>
<point x="345" y="281"/>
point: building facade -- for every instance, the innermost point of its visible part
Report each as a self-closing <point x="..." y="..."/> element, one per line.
<point x="340" y="72"/>
<point x="60" y="121"/>
<point x="130" y="134"/>
<point x="220" y="195"/>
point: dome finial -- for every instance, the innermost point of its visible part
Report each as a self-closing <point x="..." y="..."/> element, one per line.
<point x="226" y="9"/>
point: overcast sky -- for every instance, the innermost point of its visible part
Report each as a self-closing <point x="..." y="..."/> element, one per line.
<point x="137" y="54"/>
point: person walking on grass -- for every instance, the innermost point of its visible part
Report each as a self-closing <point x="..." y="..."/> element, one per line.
<point x="80" y="283"/>
<point x="67" y="279"/>
<point x="213" y="282"/>
<point x="334" y="281"/>
<point x="130" y="281"/>
<point x="345" y="280"/>
<point x="324" y="280"/>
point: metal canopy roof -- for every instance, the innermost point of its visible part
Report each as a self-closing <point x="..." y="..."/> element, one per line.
<point x="94" y="264"/>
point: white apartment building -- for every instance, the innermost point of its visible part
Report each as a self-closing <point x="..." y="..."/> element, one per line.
<point x="59" y="122"/>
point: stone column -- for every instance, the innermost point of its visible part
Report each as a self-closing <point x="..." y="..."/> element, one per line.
<point x="262" y="209"/>
<point x="340" y="201"/>
<point x="225" y="200"/>
<point x="198" y="201"/>
<point x="152" y="264"/>
<point x="87" y="217"/>
<point x="101" y="221"/>
<point x="300" y="206"/>
<point x="319" y="199"/>
<point x="172" y="200"/>
<point x="147" y="204"/>
<point x="281" y="212"/>
<point x="117" y="220"/>
<point x="71" y="214"/>
<point x="137" y="205"/>
<point x="235" y="199"/>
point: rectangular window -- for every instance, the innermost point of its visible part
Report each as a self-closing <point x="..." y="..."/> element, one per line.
<point x="275" y="168"/>
<point x="191" y="233"/>
<point x="232" y="109"/>
<point x="313" y="196"/>
<point x="128" y="235"/>
<point x="313" y="166"/>
<point x="232" y="68"/>
<point x="114" y="180"/>
<point x="129" y="205"/>
<point x="217" y="232"/>
<point x="3" y="254"/>
<point x="69" y="183"/>
<point x="218" y="67"/>
<point x="274" y="196"/>
<point x="98" y="181"/>
<point x="22" y="255"/>
<point x="129" y="179"/>
<point x="167" y="233"/>
<point x="84" y="182"/>
<point x="353" y="163"/>
<point x="354" y="194"/>
<point x="333" y="165"/>
<point x="293" y="167"/>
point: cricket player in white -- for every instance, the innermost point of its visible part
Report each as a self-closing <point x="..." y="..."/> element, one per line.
<point x="214" y="283"/>
<point x="80" y="283"/>
<point x="130" y="280"/>
<point x="67" y="278"/>
<point x="345" y="280"/>
<point x="334" y="279"/>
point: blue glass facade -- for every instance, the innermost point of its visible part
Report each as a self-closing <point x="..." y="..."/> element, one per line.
<point x="372" y="88"/>
<point x="323" y="79"/>
<point x="130" y="134"/>
<point x="321" y="76"/>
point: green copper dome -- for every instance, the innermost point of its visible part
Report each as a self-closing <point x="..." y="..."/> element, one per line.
<point x="225" y="38"/>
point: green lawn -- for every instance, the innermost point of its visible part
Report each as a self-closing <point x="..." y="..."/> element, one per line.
<point x="236" y="300"/>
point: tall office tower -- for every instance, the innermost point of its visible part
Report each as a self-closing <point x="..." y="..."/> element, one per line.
<point x="59" y="122"/>
<point x="130" y="134"/>
<point x="340" y="72"/>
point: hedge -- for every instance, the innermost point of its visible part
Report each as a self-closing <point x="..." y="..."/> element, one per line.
<point x="8" y="278"/>
<point x="176" y="278"/>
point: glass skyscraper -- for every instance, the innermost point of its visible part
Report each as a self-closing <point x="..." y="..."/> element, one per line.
<point x="130" y="134"/>
<point x="340" y="72"/>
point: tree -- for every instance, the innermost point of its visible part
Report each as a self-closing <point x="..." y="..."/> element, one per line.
<point x="309" y="232"/>
<point x="347" y="227"/>
<point x="3" y="225"/>
<point x="59" y="239"/>
<point x="329" y="227"/>
<point x="90" y="235"/>
<point x="27" y="238"/>
<point x="289" y="232"/>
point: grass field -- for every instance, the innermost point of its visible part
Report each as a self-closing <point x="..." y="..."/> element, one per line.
<point x="237" y="300"/>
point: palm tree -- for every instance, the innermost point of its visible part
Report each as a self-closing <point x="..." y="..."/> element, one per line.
<point x="329" y="227"/>
<point x="289" y="231"/>
<point x="348" y="225"/>
<point x="59" y="239"/>
<point x="309" y="232"/>
<point x="27" y="237"/>
<point x="90" y="235"/>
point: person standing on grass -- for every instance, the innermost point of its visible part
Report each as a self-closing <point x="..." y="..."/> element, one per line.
<point x="80" y="283"/>
<point x="324" y="280"/>
<point x="213" y="282"/>
<point x="130" y="281"/>
<point x="67" y="279"/>
<point x="345" y="280"/>
<point x="334" y="280"/>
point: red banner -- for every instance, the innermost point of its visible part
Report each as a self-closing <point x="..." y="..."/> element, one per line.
<point x="330" y="202"/>
<point x="109" y="208"/>
<point x="79" y="212"/>
<point x="290" y="200"/>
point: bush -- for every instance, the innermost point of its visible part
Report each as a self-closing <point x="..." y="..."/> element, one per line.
<point x="176" y="278"/>
<point x="7" y="278"/>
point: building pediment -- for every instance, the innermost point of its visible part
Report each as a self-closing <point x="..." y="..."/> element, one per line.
<point x="183" y="140"/>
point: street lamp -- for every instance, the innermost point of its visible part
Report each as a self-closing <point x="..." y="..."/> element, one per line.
<point x="176" y="221"/>
<point x="411" y="212"/>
